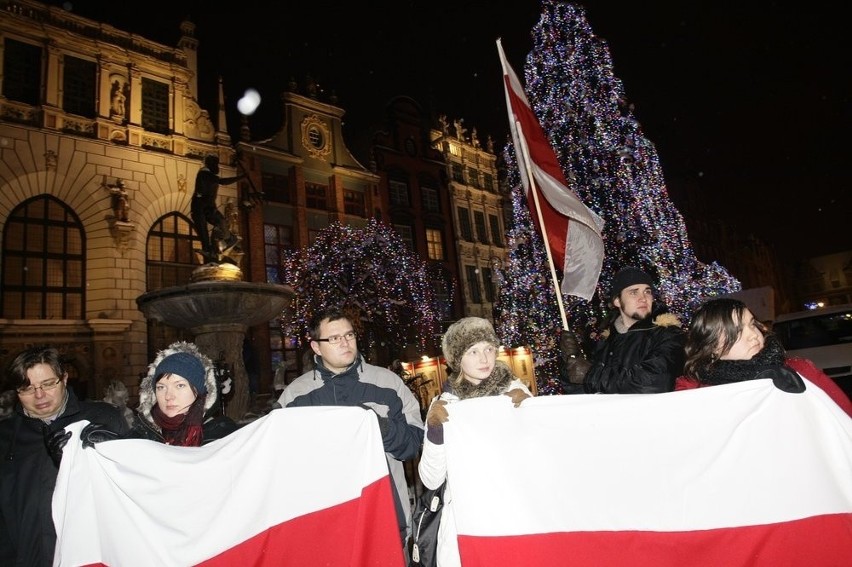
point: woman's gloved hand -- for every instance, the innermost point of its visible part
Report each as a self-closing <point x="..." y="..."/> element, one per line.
<point x="517" y="396"/>
<point x="436" y="417"/>
<point x="784" y="378"/>
<point x="437" y="414"/>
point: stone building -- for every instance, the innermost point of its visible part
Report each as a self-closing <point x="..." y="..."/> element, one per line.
<point x="101" y="137"/>
<point x="477" y="213"/>
<point x="824" y="280"/>
<point x="309" y="180"/>
<point x="420" y="203"/>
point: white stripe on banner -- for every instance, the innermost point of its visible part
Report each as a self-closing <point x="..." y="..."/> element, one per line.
<point x="137" y="502"/>
<point x="720" y="457"/>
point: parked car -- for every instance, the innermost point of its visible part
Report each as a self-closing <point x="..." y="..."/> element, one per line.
<point x="824" y="336"/>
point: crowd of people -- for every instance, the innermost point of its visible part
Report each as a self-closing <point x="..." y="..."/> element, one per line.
<point x="644" y="350"/>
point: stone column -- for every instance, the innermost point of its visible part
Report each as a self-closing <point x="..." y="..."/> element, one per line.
<point x="226" y="339"/>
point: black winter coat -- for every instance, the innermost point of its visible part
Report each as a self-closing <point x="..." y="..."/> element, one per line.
<point x="644" y="360"/>
<point x="28" y="477"/>
<point x="213" y="428"/>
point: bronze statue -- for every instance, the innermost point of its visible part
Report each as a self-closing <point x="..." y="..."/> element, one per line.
<point x="205" y="212"/>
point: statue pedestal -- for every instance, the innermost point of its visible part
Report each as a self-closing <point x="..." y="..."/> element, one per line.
<point x="218" y="313"/>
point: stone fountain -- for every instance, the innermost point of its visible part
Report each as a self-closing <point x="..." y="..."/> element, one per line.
<point x="218" y="308"/>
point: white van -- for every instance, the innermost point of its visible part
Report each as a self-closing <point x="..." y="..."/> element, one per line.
<point x="823" y="336"/>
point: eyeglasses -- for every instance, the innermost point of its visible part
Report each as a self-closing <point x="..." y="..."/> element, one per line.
<point x="45" y="387"/>
<point x="337" y="339"/>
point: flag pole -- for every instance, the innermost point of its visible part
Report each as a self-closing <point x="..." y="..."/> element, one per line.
<point x="525" y="155"/>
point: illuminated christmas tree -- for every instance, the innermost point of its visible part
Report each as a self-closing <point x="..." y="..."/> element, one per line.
<point x="381" y="285"/>
<point x="612" y="167"/>
<point x="526" y="309"/>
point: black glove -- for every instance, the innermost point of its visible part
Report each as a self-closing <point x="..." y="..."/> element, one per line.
<point x="577" y="369"/>
<point x="784" y="378"/>
<point x="576" y="366"/>
<point x="569" y="345"/>
<point x="384" y="423"/>
<point x="96" y="433"/>
<point x="55" y="441"/>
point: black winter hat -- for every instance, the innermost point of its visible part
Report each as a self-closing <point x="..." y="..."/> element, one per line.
<point x="185" y="365"/>
<point x="627" y="277"/>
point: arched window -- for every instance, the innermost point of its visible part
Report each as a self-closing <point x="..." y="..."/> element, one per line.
<point x="170" y="257"/>
<point x="170" y="261"/>
<point x="43" y="262"/>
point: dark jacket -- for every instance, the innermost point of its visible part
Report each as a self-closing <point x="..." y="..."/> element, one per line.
<point x="381" y="391"/>
<point x="644" y="360"/>
<point x="213" y="428"/>
<point x="28" y="477"/>
<point x="376" y="388"/>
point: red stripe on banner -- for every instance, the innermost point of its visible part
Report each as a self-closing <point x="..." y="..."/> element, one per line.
<point x="819" y="541"/>
<point x="545" y="158"/>
<point x="363" y="532"/>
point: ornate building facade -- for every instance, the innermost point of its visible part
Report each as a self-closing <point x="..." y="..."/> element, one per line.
<point x="415" y="180"/>
<point x="101" y="137"/>
<point x="477" y="213"/>
<point x="309" y="180"/>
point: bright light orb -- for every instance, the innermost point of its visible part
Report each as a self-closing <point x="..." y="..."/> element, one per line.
<point x="249" y="102"/>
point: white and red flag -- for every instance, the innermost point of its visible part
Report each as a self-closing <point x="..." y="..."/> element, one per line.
<point x="300" y="486"/>
<point x="572" y="231"/>
<point x="735" y="475"/>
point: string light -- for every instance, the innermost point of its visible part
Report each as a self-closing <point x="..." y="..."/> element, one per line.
<point x="373" y="277"/>
<point x="614" y="169"/>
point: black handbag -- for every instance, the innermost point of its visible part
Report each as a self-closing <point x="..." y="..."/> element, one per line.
<point x="426" y="519"/>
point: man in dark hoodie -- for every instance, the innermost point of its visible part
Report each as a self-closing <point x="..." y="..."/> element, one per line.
<point x="341" y="377"/>
<point x="643" y="348"/>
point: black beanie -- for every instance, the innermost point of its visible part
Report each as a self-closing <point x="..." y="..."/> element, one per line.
<point x="627" y="277"/>
<point x="185" y="365"/>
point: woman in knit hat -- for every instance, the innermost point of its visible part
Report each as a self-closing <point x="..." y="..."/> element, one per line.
<point x="470" y="350"/>
<point x="176" y="399"/>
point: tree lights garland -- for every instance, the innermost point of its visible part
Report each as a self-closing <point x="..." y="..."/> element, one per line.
<point x="527" y="313"/>
<point x="615" y="171"/>
<point x="372" y="276"/>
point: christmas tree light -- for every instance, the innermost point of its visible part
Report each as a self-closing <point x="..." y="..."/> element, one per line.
<point x="615" y="171"/>
<point x="369" y="273"/>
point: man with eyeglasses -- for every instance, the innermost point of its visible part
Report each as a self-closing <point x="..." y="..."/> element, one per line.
<point x="31" y="442"/>
<point x="341" y="377"/>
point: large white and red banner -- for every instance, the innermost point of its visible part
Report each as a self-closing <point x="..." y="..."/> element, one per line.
<point x="573" y="231"/>
<point x="298" y="487"/>
<point x="736" y="475"/>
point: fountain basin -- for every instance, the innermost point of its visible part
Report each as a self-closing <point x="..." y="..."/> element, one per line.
<point x="221" y="302"/>
<point x="218" y="313"/>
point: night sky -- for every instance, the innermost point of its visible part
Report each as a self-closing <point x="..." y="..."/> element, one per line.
<point x="748" y="106"/>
